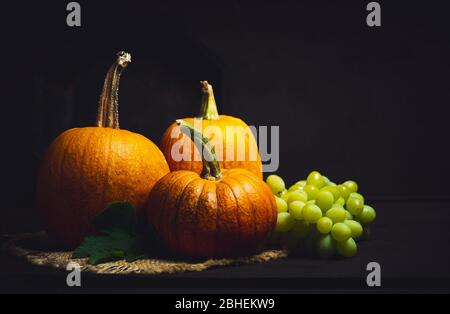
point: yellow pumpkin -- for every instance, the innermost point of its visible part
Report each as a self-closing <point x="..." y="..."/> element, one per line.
<point x="239" y="143"/>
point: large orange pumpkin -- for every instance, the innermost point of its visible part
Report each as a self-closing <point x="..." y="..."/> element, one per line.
<point x="84" y="169"/>
<point x="220" y="213"/>
<point x="232" y="138"/>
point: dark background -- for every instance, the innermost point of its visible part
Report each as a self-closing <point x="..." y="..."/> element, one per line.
<point x="352" y="101"/>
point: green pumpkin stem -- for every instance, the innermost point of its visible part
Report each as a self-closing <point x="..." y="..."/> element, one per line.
<point x="208" y="110"/>
<point x="108" y="107"/>
<point x="211" y="169"/>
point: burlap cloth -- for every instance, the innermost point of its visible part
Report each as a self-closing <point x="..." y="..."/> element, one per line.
<point x="35" y="249"/>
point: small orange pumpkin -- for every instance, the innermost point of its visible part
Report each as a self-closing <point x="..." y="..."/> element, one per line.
<point x="84" y="169"/>
<point x="215" y="214"/>
<point x="239" y="143"/>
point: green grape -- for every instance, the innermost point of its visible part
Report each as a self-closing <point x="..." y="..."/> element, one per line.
<point x="311" y="213"/>
<point x="357" y="229"/>
<point x="301" y="183"/>
<point x="367" y="215"/>
<point x="282" y="206"/>
<point x="356" y="195"/>
<point x="311" y="202"/>
<point x="315" y="178"/>
<point x="351" y="185"/>
<point x="349" y="215"/>
<point x="312" y="191"/>
<point x="326" y="246"/>
<point x="297" y="196"/>
<point x="354" y="206"/>
<point x="325" y="180"/>
<point x="324" y="200"/>
<point x="295" y="187"/>
<point x="295" y="209"/>
<point x="340" y="201"/>
<point x="340" y="232"/>
<point x="333" y="189"/>
<point x="345" y="192"/>
<point x="300" y="229"/>
<point x="324" y="225"/>
<point x="331" y="183"/>
<point x="280" y="194"/>
<point x="285" y="195"/>
<point x="336" y="214"/>
<point x="284" y="222"/>
<point x="276" y="183"/>
<point x="347" y="248"/>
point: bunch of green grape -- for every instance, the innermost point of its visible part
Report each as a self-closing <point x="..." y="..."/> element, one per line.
<point x="317" y="216"/>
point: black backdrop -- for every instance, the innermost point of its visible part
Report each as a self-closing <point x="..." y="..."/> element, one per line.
<point x="351" y="101"/>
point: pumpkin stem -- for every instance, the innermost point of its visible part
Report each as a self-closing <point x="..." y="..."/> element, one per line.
<point x="108" y="107"/>
<point x="208" y="110"/>
<point x="211" y="169"/>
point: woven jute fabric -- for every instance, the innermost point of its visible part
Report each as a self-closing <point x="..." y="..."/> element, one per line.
<point x="35" y="249"/>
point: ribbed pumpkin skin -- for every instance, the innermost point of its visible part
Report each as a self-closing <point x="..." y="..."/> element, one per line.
<point x="254" y="166"/>
<point x="84" y="169"/>
<point x="196" y="217"/>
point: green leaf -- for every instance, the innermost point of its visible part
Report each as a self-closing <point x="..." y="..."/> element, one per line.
<point x="117" y="223"/>
<point x="135" y="251"/>
<point x="117" y="216"/>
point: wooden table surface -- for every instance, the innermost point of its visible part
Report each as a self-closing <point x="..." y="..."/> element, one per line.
<point x="410" y="240"/>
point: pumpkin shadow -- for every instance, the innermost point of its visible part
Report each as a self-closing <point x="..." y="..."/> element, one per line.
<point x="156" y="249"/>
